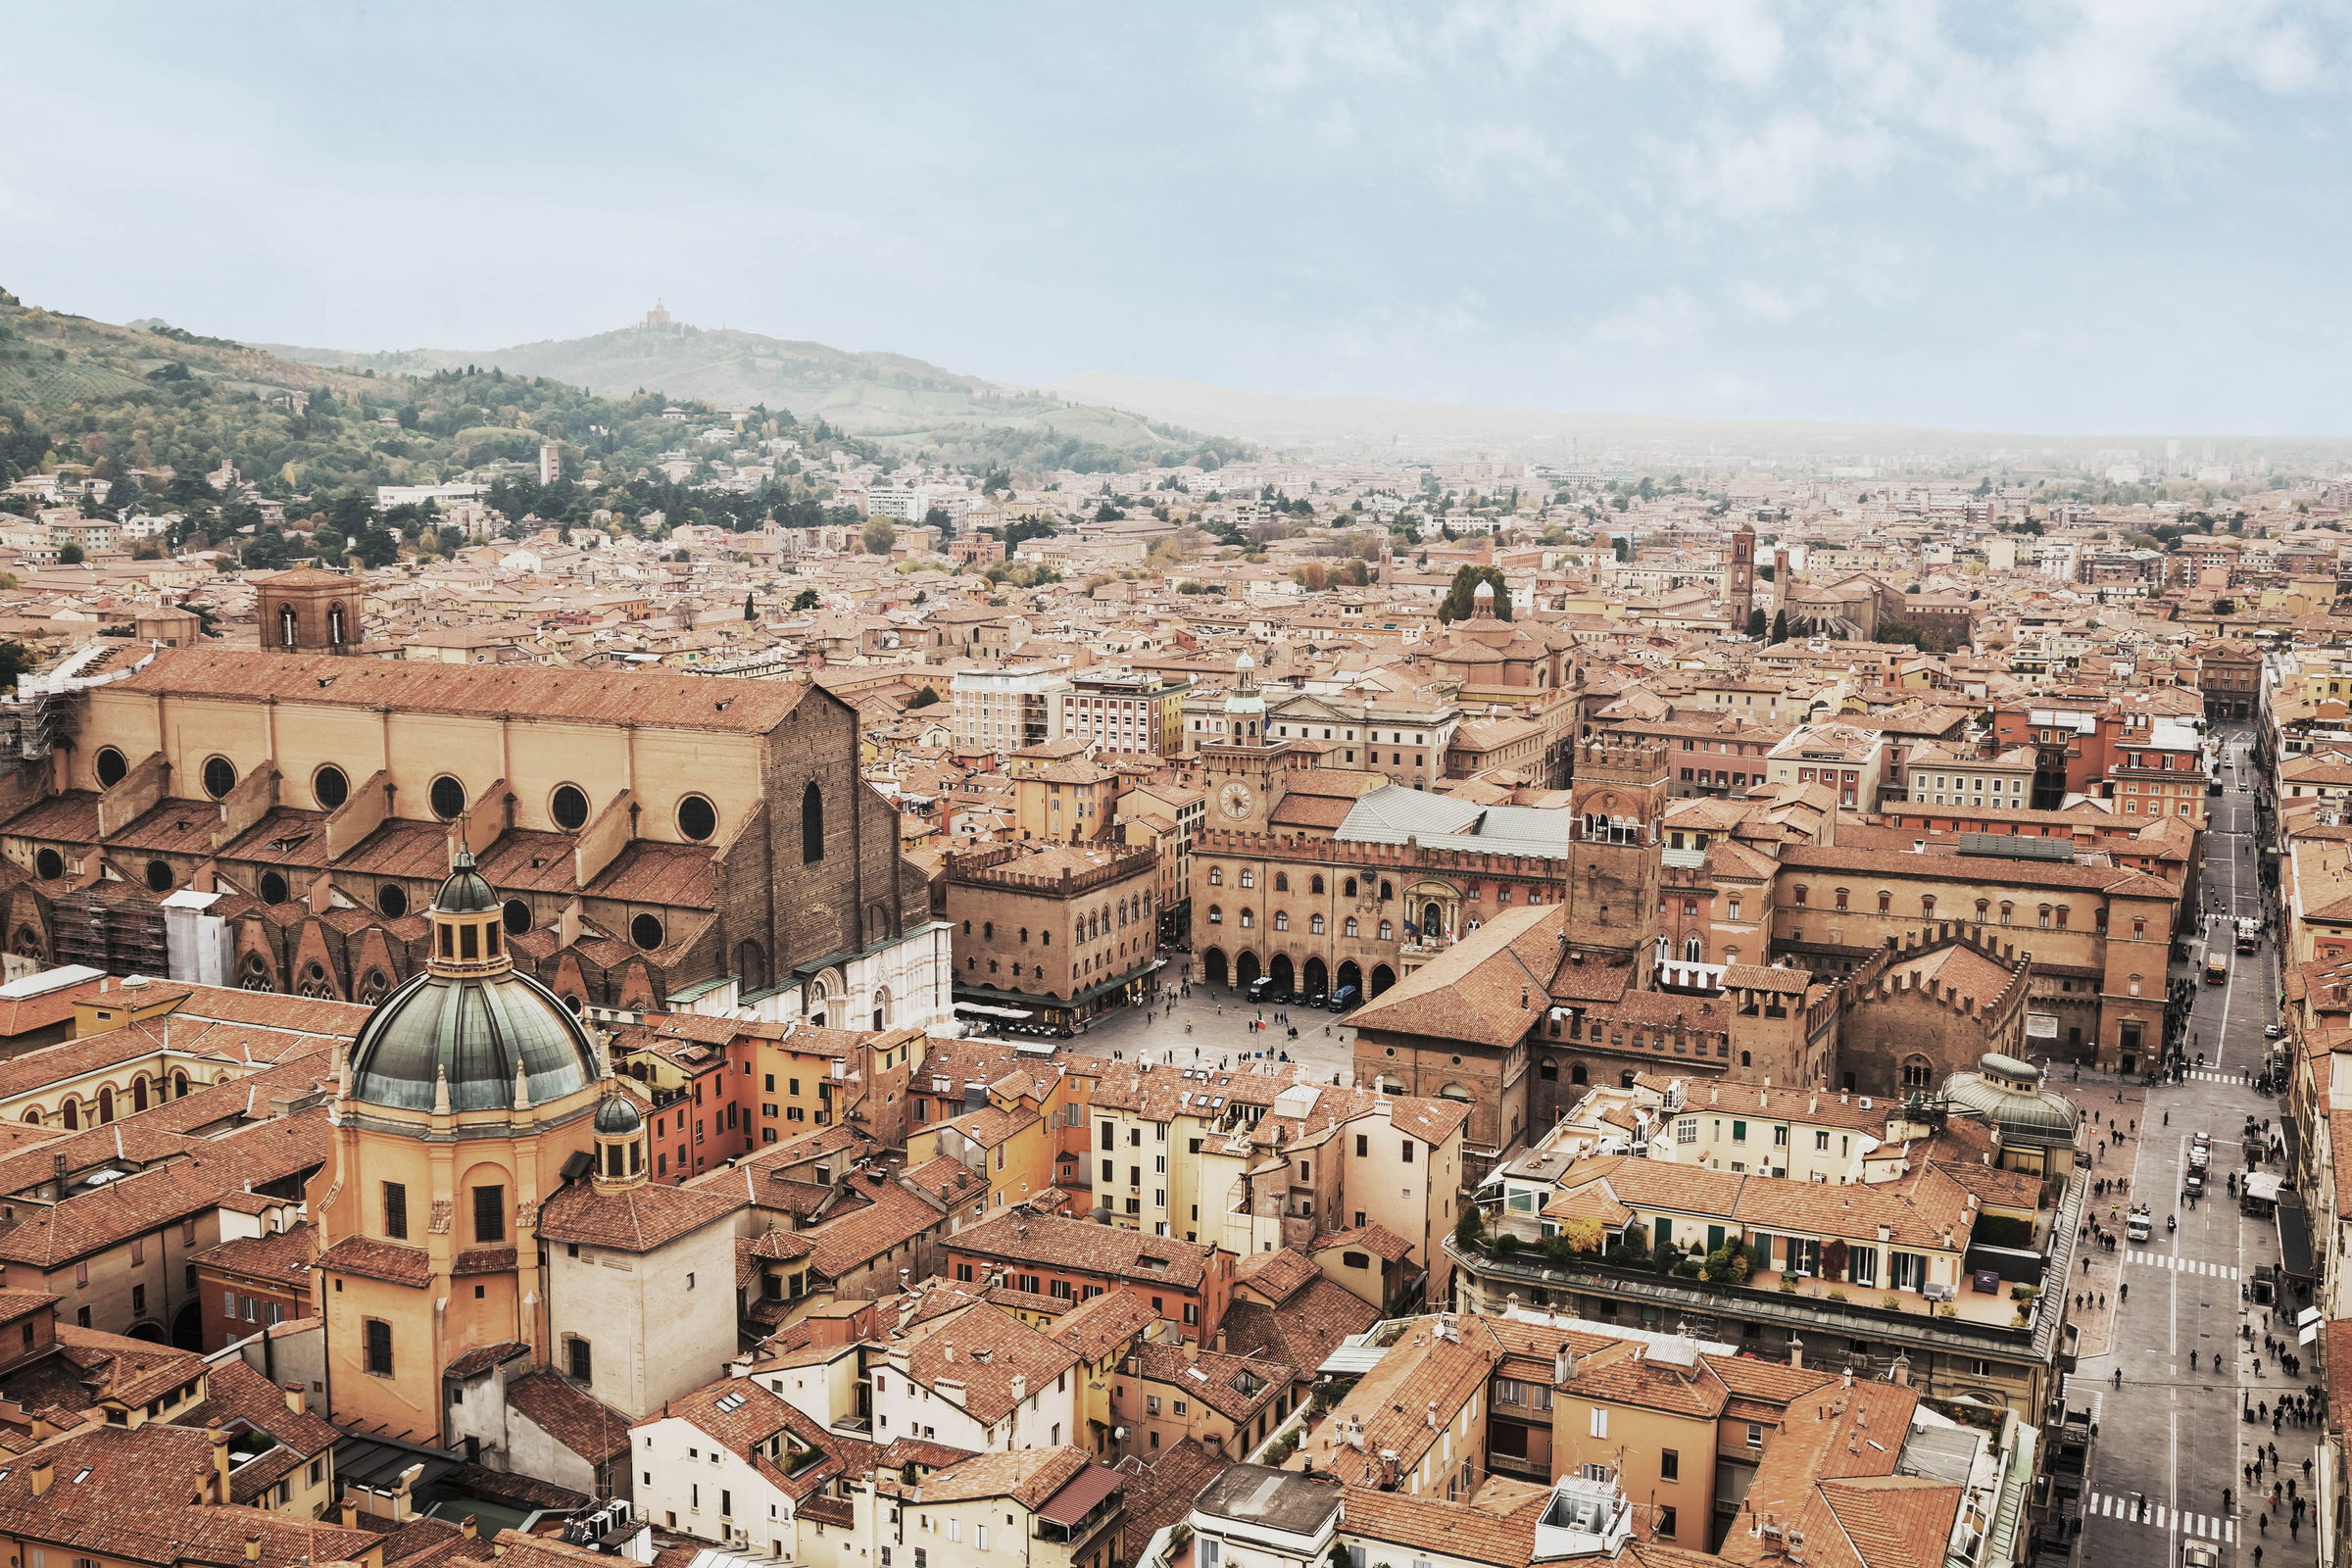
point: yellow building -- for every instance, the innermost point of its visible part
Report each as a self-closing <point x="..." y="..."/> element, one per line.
<point x="458" y="1108"/>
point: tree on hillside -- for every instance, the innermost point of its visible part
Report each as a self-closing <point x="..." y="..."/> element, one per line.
<point x="1460" y="594"/>
<point x="938" y="518"/>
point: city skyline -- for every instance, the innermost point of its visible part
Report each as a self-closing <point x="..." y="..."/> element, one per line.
<point x="2087" y="220"/>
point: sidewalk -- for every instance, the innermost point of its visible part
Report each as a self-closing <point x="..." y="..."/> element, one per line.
<point x="2108" y="1104"/>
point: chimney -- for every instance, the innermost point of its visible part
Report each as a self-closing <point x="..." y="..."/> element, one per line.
<point x="1432" y="1415"/>
<point x="294" y="1397"/>
<point x="1563" y="1366"/>
<point x="1796" y="1354"/>
<point x="951" y="1353"/>
<point x="253" y="1546"/>
<point x="44" y="1471"/>
<point x="467" y="1528"/>
<point x="1020" y="1387"/>
<point x="350" y="1513"/>
<point x="1220" y="1341"/>
<point x="219" y="1441"/>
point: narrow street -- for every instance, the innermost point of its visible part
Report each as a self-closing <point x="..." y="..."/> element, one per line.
<point x="2173" y="1433"/>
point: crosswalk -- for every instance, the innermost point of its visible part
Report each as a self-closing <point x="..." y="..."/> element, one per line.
<point x="2148" y="1259"/>
<point x="2128" y="1511"/>
<point x="2217" y="1077"/>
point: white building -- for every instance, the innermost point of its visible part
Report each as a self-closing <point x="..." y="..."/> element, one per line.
<point x="976" y="1378"/>
<point x="713" y="1466"/>
<point x="1006" y="709"/>
<point x="388" y="496"/>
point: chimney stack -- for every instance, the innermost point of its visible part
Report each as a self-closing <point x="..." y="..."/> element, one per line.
<point x="294" y="1397"/>
<point x="253" y="1546"/>
<point x="44" y="1471"/>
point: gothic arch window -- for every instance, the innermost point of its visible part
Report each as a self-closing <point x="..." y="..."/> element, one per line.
<point x="1348" y="927"/>
<point x="1348" y="888"/>
<point x="1314" y="924"/>
<point x="1386" y="891"/>
<point x="315" y="982"/>
<point x="1216" y="916"/>
<point x="1249" y="877"/>
<point x="1315" y="885"/>
<point x="1282" y="919"/>
<point x="1918" y="1072"/>
<point x="1282" y="881"/>
<point x="26" y="943"/>
<point x="1248" y="918"/>
<point x="374" y="987"/>
<point x="254" y="974"/>
<point x="1384" y="929"/>
<point x="1695" y="950"/>
<point x="812" y="824"/>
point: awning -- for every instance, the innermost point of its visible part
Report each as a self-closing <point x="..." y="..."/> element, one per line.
<point x="986" y="1012"/>
<point x="2294" y="1238"/>
<point x="1086" y="1489"/>
<point x="2308" y="1334"/>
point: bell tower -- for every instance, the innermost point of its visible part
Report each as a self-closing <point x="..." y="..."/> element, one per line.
<point x="1740" y="578"/>
<point x="1618" y="796"/>
<point x="1242" y="769"/>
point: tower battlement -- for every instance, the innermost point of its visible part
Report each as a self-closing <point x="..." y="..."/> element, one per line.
<point x="1637" y="764"/>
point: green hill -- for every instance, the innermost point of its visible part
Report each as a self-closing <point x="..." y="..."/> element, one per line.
<point x="904" y="403"/>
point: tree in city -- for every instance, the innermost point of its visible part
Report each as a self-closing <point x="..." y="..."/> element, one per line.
<point x="1756" y="624"/>
<point x="806" y="599"/>
<point x="749" y="612"/>
<point x="1461" y="593"/>
<point x="877" y="536"/>
<point x="923" y="698"/>
<point x="71" y="555"/>
<point x="1779" y="626"/>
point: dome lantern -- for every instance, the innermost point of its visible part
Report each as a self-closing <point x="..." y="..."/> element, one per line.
<point x="471" y="1033"/>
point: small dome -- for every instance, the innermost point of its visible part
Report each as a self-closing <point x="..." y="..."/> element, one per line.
<point x="466" y="892"/>
<point x="618" y="1116"/>
<point x="1245" y="663"/>
<point x="2007" y="1094"/>
<point x="1485" y="590"/>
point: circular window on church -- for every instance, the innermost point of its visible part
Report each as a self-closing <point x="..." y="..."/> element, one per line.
<point x="447" y="797"/>
<point x="274" y="887"/>
<point x="646" y="931"/>
<point x="330" y="787"/>
<point x="519" y="918"/>
<point x="220" y="776"/>
<point x="393" y="900"/>
<point x="698" y="818"/>
<point x="159" y="876"/>
<point x="110" y="767"/>
<point x="568" y="805"/>
<point x="48" y="864"/>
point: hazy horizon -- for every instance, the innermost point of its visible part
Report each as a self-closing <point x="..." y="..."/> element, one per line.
<point x="2079" y="219"/>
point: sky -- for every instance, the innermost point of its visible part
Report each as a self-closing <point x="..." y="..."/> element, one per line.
<point x="2073" y="216"/>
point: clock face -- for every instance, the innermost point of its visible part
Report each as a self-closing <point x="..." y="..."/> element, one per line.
<point x="1234" y="800"/>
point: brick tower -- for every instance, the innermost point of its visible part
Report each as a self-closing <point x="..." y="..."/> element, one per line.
<point x="1740" y="582"/>
<point x="1619" y="798"/>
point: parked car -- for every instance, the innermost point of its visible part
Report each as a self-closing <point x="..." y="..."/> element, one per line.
<point x="2272" y="1031"/>
<point x="1264" y="989"/>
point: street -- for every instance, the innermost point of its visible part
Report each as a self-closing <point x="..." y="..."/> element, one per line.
<point x="2171" y="1436"/>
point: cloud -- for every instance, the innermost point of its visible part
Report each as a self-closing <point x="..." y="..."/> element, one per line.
<point x="1767" y="303"/>
<point x="1776" y="167"/>
<point x="1662" y="320"/>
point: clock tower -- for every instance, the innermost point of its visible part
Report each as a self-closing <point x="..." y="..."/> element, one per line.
<point x="1243" y="772"/>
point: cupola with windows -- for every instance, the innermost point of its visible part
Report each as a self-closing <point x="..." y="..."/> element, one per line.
<point x="471" y="1032"/>
<point x="619" y="1140"/>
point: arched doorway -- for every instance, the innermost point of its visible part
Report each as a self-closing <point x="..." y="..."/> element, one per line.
<point x="1213" y="967"/>
<point x="1318" y="978"/>
<point x="152" y="1333"/>
<point x="1383" y="977"/>
<point x="1433" y="921"/>
<point x="1351" y="974"/>
<point x="187" y="1328"/>
<point x="1244" y="968"/>
<point x="1280" y="972"/>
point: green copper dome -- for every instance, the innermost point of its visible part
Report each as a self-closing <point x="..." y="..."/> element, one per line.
<point x="477" y="1031"/>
